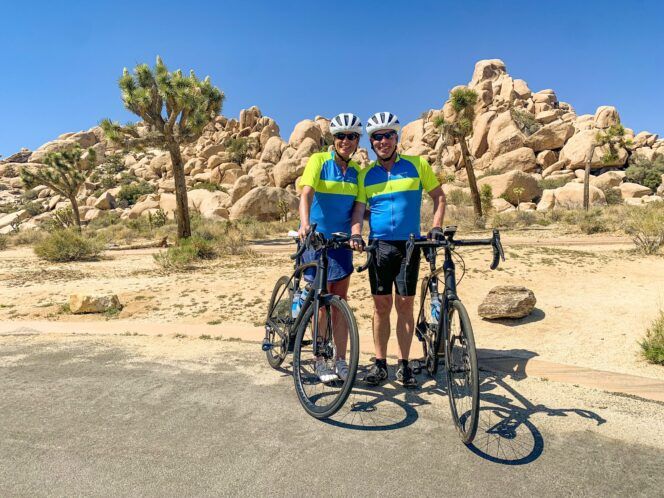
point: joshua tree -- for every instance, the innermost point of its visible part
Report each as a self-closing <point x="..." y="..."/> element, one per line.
<point x="614" y="138"/>
<point x="64" y="172"/>
<point x="175" y="109"/>
<point x="463" y="102"/>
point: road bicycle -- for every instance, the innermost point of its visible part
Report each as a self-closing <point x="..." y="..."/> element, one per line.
<point x="315" y="326"/>
<point x="444" y="328"/>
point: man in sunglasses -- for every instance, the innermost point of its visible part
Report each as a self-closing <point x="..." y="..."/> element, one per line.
<point x="329" y="188"/>
<point x="392" y="188"/>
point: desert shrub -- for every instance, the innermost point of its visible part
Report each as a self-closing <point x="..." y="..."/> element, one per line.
<point x="28" y="237"/>
<point x="157" y="219"/>
<point x="525" y="218"/>
<point x="4" y="242"/>
<point x="237" y="149"/>
<point x="503" y="220"/>
<point x="444" y="178"/>
<point x="129" y="194"/>
<point x="592" y="222"/>
<point x="34" y="208"/>
<point x="62" y="218"/>
<point x="525" y="121"/>
<point x="652" y="346"/>
<point x="486" y="198"/>
<point x="105" y="219"/>
<point x="552" y="183"/>
<point x="645" y="172"/>
<point x="29" y="195"/>
<point x="645" y="224"/>
<point x="186" y="252"/>
<point x="612" y="195"/>
<point x="212" y="187"/>
<point x="106" y="173"/>
<point x="459" y="197"/>
<point x="67" y="245"/>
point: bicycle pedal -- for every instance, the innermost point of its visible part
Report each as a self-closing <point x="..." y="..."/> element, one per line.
<point x="267" y="345"/>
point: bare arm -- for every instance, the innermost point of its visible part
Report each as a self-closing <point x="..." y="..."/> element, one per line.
<point x="356" y="220"/>
<point x="306" y="199"/>
<point x="438" y="197"/>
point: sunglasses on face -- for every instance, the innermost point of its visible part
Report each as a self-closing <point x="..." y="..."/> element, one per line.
<point x="379" y="136"/>
<point x="349" y="136"/>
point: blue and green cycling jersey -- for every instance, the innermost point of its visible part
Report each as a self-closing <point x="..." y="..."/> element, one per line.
<point x="394" y="197"/>
<point x="335" y="192"/>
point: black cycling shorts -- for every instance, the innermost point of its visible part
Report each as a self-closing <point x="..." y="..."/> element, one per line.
<point x="389" y="268"/>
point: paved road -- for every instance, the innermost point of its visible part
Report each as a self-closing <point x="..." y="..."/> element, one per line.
<point x="97" y="417"/>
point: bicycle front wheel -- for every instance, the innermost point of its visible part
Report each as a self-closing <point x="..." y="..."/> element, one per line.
<point x="278" y="322"/>
<point x="463" y="386"/>
<point x="317" y="372"/>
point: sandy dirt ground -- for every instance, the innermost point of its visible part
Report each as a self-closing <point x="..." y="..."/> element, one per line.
<point x="595" y="296"/>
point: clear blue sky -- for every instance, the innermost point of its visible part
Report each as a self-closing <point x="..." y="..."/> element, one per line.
<point x="60" y="63"/>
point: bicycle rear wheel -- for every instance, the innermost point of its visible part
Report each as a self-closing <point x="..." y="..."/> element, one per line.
<point x="336" y="337"/>
<point x="426" y="329"/>
<point x="463" y="386"/>
<point x="278" y="322"/>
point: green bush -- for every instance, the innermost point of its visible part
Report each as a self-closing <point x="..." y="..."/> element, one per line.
<point x="613" y="196"/>
<point x="28" y="237"/>
<point x="646" y="173"/>
<point x="592" y="222"/>
<point x="652" y="345"/>
<point x="645" y="224"/>
<point x="525" y="121"/>
<point x="459" y="197"/>
<point x="552" y="183"/>
<point x="212" y="187"/>
<point x="4" y="242"/>
<point x="237" y="149"/>
<point x="67" y="245"/>
<point x="486" y="198"/>
<point x="186" y="252"/>
<point x="129" y="194"/>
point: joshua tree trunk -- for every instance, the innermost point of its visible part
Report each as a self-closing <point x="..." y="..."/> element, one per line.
<point x="182" y="211"/>
<point x="74" y="209"/>
<point x="472" y="182"/>
<point x="586" y="179"/>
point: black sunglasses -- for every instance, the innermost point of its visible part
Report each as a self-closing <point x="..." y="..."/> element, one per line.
<point x="379" y="136"/>
<point x="349" y="136"/>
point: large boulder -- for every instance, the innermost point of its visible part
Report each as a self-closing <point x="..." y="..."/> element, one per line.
<point x="633" y="190"/>
<point x="412" y="133"/>
<point x="546" y="158"/>
<point x="262" y="174"/>
<point x="307" y="147"/>
<point x="304" y="129"/>
<point x="547" y="200"/>
<point x="504" y="135"/>
<point x="93" y="303"/>
<point x="576" y="150"/>
<point x="16" y="216"/>
<point x="270" y="130"/>
<point x="507" y="301"/>
<point x="264" y="203"/>
<point x="105" y="201"/>
<point x="272" y="150"/>
<point x="551" y="136"/>
<point x="487" y="70"/>
<point x="607" y="180"/>
<point x="241" y="186"/>
<point x="286" y="171"/>
<point x="606" y="116"/>
<point x="212" y="205"/>
<point x="504" y="186"/>
<point x="479" y="142"/>
<point x="150" y="202"/>
<point x="522" y="159"/>
<point x="570" y="196"/>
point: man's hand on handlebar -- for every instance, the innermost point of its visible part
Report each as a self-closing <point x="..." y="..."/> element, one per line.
<point x="436" y="233"/>
<point x="303" y="231"/>
<point x="356" y="242"/>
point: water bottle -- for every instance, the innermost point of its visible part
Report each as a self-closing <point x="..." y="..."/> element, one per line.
<point x="435" y="311"/>
<point x="297" y="303"/>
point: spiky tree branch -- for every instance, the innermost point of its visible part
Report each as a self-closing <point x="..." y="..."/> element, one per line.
<point x="175" y="109"/>
<point x="64" y="173"/>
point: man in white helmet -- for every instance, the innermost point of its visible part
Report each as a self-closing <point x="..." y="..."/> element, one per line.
<point x="329" y="189"/>
<point x="392" y="188"/>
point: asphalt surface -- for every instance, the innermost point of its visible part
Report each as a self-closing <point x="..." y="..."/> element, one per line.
<point x="92" y="418"/>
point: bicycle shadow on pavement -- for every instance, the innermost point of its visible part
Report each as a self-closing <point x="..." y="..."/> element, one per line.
<point x="506" y="433"/>
<point x="377" y="408"/>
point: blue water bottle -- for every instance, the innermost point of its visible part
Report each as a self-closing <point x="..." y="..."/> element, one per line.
<point x="435" y="311"/>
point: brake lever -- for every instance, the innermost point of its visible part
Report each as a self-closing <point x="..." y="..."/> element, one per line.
<point x="370" y="257"/>
<point x="498" y="252"/>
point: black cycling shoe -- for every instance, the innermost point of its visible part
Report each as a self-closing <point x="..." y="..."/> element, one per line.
<point x="406" y="377"/>
<point x="375" y="375"/>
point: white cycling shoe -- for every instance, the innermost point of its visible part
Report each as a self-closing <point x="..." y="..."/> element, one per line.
<point x="341" y="368"/>
<point x="324" y="372"/>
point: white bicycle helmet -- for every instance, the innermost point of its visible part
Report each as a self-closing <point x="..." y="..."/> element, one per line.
<point x="345" y="122"/>
<point x="383" y="121"/>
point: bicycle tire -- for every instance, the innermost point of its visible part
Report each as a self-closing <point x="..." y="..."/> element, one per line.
<point x="310" y="390"/>
<point x="424" y="328"/>
<point x="462" y="359"/>
<point x="278" y="322"/>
